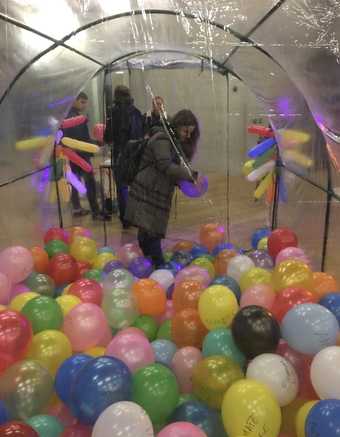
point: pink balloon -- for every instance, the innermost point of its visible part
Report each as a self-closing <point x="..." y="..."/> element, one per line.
<point x="292" y="253"/>
<point x="77" y="431"/>
<point x="183" y="364"/>
<point x="194" y="273"/>
<point x="16" y="263"/>
<point x="19" y="289"/>
<point x="61" y="412"/>
<point x="131" y="330"/>
<point x="261" y="294"/>
<point x="5" y="289"/>
<point x="169" y="312"/>
<point x="128" y="252"/>
<point x="181" y="429"/>
<point x="133" y="349"/>
<point x="107" y="336"/>
<point x="85" y="326"/>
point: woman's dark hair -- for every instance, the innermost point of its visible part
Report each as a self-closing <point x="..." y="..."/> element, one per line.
<point x="122" y="94"/>
<point x="185" y="117"/>
<point x="82" y="96"/>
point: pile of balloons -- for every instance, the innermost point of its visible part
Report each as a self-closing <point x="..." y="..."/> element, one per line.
<point x="218" y="342"/>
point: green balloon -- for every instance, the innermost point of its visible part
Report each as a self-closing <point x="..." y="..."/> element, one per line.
<point x="148" y="325"/>
<point x="155" y="389"/>
<point x="119" y="307"/>
<point x="185" y="397"/>
<point x="208" y="257"/>
<point x="93" y="274"/>
<point x="53" y="247"/>
<point x="41" y="283"/>
<point x="167" y="256"/>
<point x="44" y="313"/>
<point x="46" y="426"/>
<point x="26" y="388"/>
<point x="164" y="331"/>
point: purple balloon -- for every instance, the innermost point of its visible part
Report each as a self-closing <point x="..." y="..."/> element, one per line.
<point x="261" y="259"/>
<point x="195" y="190"/>
<point x="141" y="267"/>
<point x="112" y="265"/>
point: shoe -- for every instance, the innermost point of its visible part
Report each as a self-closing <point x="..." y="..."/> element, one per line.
<point x="101" y="216"/>
<point x="80" y="212"/>
<point x="126" y="225"/>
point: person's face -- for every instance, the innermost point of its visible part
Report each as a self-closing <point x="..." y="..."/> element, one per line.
<point x="81" y="104"/>
<point x="157" y="105"/>
<point x="185" y="133"/>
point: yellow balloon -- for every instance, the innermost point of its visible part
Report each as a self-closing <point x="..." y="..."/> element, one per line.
<point x="80" y="145"/>
<point x="217" y="307"/>
<point x="34" y="143"/>
<point x="248" y="167"/>
<point x="102" y="259"/>
<point x="292" y="273"/>
<point x="291" y="137"/>
<point x="67" y="302"/>
<point x="95" y="351"/>
<point x="18" y="302"/>
<point x="83" y="249"/>
<point x="301" y="417"/>
<point x="2" y="307"/>
<point x="255" y="276"/>
<point x="249" y="408"/>
<point x="289" y="413"/>
<point x="50" y="348"/>
<point x="263" y="244"/>
<point x="263" y="186"/>
<point x="204" y="263"/>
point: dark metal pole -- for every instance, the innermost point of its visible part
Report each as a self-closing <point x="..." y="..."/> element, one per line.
<point x="327" y="216"/>
<point x="61" y="221"/>
<point x="278" y="170"/>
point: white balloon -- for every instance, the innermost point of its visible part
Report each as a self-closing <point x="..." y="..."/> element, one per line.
<point x="238" y="265"/>
<point x="164" y="277"/>
<point x="277" y="374"/>
<point x="123" y="419"/>
<point x="325" y="373"/>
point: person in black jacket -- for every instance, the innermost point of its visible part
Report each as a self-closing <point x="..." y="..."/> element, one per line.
<point x="151" y="119"/>
<point x="124" y="123"/>
<point x="81" y="132"/>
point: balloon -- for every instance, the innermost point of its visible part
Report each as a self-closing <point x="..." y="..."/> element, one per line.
<point x="150" y="297"/>
<point x="63" y="269"/>
<point x="128" y="253"/>
<point x="229" y="282"/>
<point x="217" y="307"/>
<point x="279" y="239"/>
<point x="198" y="250"/>
<point x="323" y="284"/>
<point x="17" y="429"/>
<point x="211" y="235"/>
<point x="44" y="313"/>
<point x="155" y="389"/>
<point x="212" y="377"/>
<point x="99" y="384"/>
<point x="67" y="302"/>
<point x="290" y="297"/>
<point x="183" y="245"/>
<point x="292" y="273"/>
<point x="163" y="277"/>
<point x="112" y="265"/>
<point x="183" y="363"/>
<point x="181" y="429"/>
<point x="187" y="329"/>
<point x="15" y="337"/>
<point x="222" y="260"/>
<point x="249" y="407"/>
<point x="258" y="235"/>
<point x="88" y="291"/>
<point x="292" y="253"/>
<point x="141" y="267"/>
<point x="261" y="295"/>
<point x="5" y="289"/>
<point x="263" y="244"/>
<point x="20" y="300"/>
<point x="309" y="328"/>
<point x="77" y="431"/>
<point x="26" y="388"/>
<point x="59" y="410"/>
<point x="164" y="331"/>
<point x="277" y="374"/>
<point x="255" y="331"/>
<point x="102" y="259"/>
<point x="47" y="426"/>
<point x="164" y="351"/>
<point x="301" y="417"/>
<point x="73" y="121"/>
<point x="325" y="373"/>
<point x="239" y="265"/>
<point x="79" y="231"/>
<point x="261" y="259"/>
<point x="93" y="274"/>
<point x="66" y="375"/>
<point x="80" y="145"/>
<point x="56" y="234"/>
<point x="194" y="273"/>
<point x="3" y="413"/>
<point x="182" y="258"/>
<point x="204" y="263"/>
<point x="255" y="276"/>
<point x="120" y="308"/>
<point x="83" y="249"/>
<point x="324" y="419"/>
<point x="16" y="263"/>
<point x="148" y="325"/>
<point x="261" y="148"/>
<point x="19" y="289"/>
<point x="53" y="247"/>
<point x="84" y="326"/>
<point x="186" y="294"/>
<point x="50" y="348"/>
<point x="332" y="302"/>
<point x="97" y="351"/>
<point x="41" y="283"/>
<point x="220" y="342"/>
<point x="132" y="349"/>
<point x="220" y="247"/>
<point x="197" y="189"/>
<point x="119" y="278"/>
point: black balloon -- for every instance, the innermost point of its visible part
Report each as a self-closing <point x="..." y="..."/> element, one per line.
<point x="255" y="331"/>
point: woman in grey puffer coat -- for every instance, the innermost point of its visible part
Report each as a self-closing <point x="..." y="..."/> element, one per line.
<point x="151" y="192"/>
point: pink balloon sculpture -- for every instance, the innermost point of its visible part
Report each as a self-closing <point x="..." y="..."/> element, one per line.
<point x="261" y="294"/>
<point x="16" y="263"/>
<point x="181" y="429"/>
<point x="183" y="364"/>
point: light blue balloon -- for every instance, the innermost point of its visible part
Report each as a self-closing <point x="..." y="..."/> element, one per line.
<point x="308" y="328"/>
<point x="164" y="351"/>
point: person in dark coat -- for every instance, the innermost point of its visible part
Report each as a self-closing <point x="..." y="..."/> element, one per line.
<point x="124" y="123"/>
<point x="152" y="119"/>
<point x="151" y="192"/>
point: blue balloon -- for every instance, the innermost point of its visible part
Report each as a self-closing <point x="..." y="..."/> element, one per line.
<point x="324" y="419"/>
<point x="222" y="246"/>
<point x="99" y="384"/>
<point x="66" y="375"/>
<point x="261" y="148"/>
<point x="173" y="267"/>
<point x="308" y="328"/>
<point x="4" y="416"/>
<point x="229" y="282"/>
<point x="332" y="302"/>
<point x="200" y="415"/>
<point x="182" y="258"/>
<point x="164" y="351"/>
<point x="141" y="267"/>
<point x="170" y="291"/>
<point x="198" y="250"/>
<point x="258" y="235"/>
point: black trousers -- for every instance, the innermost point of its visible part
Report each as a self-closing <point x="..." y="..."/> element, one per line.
<point x="91" y="193"/>
<point x="151" y="247"/>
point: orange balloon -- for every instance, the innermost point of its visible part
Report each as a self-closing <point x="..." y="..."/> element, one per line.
<point x="40" y="258"/>
<point x="150" y="297"/>
<point x="289" y="413"/>
<point x="222" y="260"/>
<point x="324" y="283"/>
<point x="209" y="227"/>
<point x="184" y="246"/>
<point x="186" y="295"/>
<point x="187" y="329"/>
<point x="212" y="239"/>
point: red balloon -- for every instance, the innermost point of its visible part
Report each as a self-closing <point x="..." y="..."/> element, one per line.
<point x="15" y="337"/>
<point x="88" y="291"/>
<point x="63" y="269"/>
<point x="83" y="267"/>
<point x="17" y="429"/>
<point x="56" y="234"/>
<point x="288" y="298"/>
<point x="77" y="431"/>
<point x="280" y="239"/>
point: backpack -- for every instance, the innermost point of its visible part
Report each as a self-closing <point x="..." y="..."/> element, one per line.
<point x="129" y="160"/>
